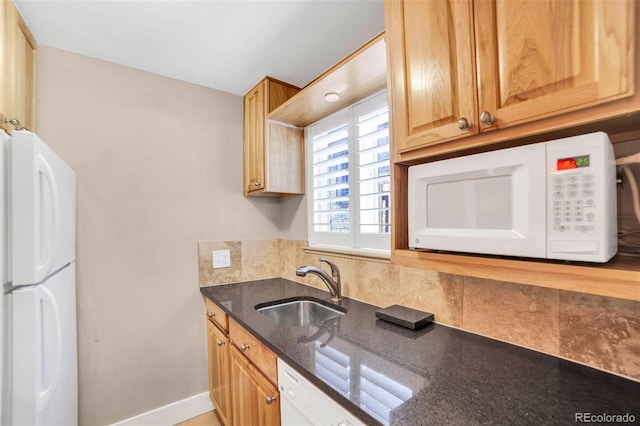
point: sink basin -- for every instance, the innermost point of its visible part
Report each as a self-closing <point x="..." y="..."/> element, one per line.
<point x="299" y="313"/>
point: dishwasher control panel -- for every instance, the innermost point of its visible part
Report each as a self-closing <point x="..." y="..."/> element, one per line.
<point x="303" y="404"/>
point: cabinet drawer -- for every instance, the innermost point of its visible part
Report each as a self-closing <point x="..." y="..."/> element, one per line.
<point x="254" y="350"/>
<point x="217" y="315"/>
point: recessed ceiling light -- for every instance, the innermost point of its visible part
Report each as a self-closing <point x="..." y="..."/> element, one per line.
<point x="331" y="97"/>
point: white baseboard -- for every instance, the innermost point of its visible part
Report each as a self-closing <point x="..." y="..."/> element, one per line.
<point x="173" y="413"/>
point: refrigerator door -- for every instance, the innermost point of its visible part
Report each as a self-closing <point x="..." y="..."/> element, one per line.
<point x="43" y="352"/>
<point x="4" y="273"/>
<point x="43" y="210"/>
<point x="4" y="176"/>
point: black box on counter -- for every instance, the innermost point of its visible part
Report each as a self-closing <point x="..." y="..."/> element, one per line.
<point x="405" y="317"/>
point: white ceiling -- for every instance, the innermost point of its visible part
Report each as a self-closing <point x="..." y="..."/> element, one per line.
<point x="227" y="45"/>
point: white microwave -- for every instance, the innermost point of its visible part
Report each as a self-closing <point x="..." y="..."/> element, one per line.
<point x="554" y="200"/>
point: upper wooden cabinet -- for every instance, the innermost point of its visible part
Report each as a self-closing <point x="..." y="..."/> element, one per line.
<point x="539" y="70"/>
<point x="273" y="152"/>
<point x="431" y="70"/>
<point x="460" y="67"/>
<point x="18" y="51"/>
<point x="537" y="58"/>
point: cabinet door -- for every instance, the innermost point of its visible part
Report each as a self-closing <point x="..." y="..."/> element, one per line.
<point x="273" y="153"/>
<point x="285" y="171"/>
<point x="4" y="67"/>
<point x="254" y="128"/>
<point x="18" y="80"/>
<point x="219" y="372"/>
<point x="255" y="399"/>
<point x="544" y="57"/>
<point x="432" y="70"/>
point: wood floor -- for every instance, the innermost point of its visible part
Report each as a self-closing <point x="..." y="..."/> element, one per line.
<point x="207" y="419"/>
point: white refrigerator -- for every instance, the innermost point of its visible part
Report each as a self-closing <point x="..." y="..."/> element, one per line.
<point x="37" y="266"/>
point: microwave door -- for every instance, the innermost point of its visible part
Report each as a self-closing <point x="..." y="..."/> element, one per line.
<point x="463" y="205"/>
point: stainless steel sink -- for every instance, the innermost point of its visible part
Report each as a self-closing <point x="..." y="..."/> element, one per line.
<point x="299" y="313"/>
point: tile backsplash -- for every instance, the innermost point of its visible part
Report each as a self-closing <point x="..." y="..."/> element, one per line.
<point x="598" y="331"/>
<point x="250" y="260"/>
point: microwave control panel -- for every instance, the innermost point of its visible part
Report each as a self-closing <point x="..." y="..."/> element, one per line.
<point x="573" y="202"/>
<point x="581" y="198"/>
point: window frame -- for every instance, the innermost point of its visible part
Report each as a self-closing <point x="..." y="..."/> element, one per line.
<point x="354" y="240"/>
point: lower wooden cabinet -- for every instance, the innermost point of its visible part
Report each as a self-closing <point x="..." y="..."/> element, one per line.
<point x="242" y="382"/>
<point x="219" y="370"/>
<point x="255" y="400"/>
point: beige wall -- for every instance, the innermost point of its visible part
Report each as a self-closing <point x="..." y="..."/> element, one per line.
<point x="159" y="169"/>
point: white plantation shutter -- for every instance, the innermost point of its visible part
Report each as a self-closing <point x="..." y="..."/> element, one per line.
<point x="373" y="174"/>
<point x="348" y="174"/>
<point x="328" y="176"/>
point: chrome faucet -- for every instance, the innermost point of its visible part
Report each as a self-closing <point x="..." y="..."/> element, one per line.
<point x="333" y="281"/>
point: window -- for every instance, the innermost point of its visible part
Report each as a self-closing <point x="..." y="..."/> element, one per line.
<point x="349" y="177"/>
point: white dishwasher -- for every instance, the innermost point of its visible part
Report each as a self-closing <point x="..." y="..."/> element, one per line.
<point x="303" y="404"/>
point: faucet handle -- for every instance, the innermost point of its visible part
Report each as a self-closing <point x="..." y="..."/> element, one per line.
<point x="335" y="272"/>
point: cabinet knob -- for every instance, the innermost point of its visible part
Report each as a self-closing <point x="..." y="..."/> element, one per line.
<point x="210" y="314"/>
<point x="220" y="342"/>
<point x="256" y="183"/>
<point x="271" y="399"/>
<point x="244" y="347"/>
<point x="464" y="124"/>
<point x="487" y="118"/>
<point x="14" y="122"/>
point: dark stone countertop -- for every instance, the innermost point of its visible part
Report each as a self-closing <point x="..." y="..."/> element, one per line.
<point x="386" y="374"/>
